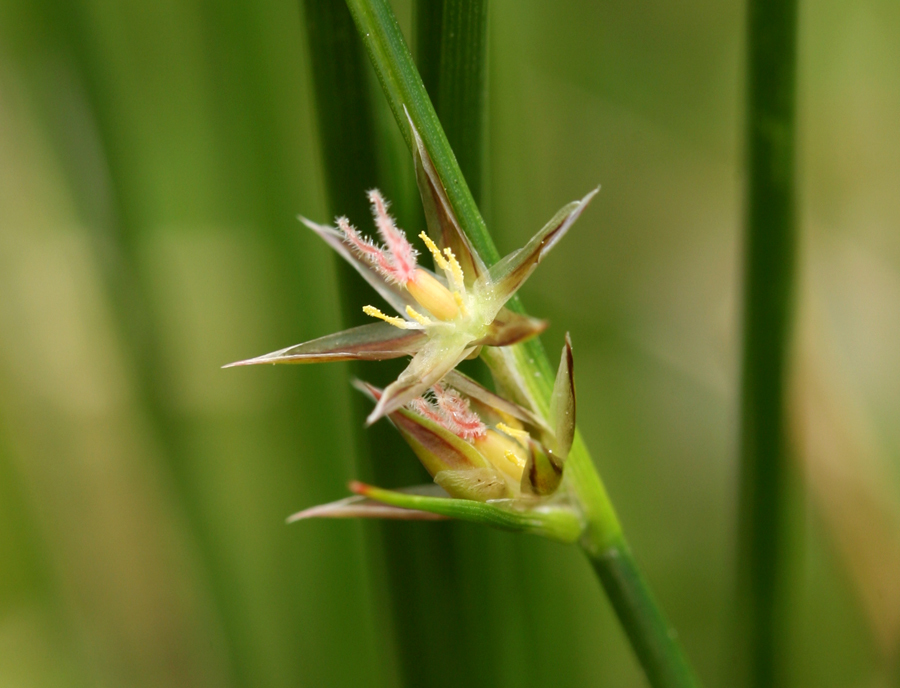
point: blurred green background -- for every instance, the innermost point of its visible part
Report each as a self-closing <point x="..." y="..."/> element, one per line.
<point x="153" y="157"/>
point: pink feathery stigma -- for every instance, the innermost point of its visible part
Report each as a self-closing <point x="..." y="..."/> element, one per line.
<point x="376" y="256"/>
<point x="455" y="409"/>
<point x="426" y="408"/>
<point x="403" y="255"/>
<point x="449" y="410"/>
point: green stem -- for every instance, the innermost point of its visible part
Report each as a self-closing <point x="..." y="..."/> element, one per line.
<point x="649" y="632"/>
<point x="403" y="87"/>
<point x="653" y="639"/>
<point x="769" y="278"/>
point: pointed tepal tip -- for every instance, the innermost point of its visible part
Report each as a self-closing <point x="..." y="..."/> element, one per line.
<point x="314" y="226"/>
<point x="245" y="362"/>
<point x="378" y="412"/>
<point x="371" y="391"/>
<point x="373" y="417"/>
<point x="358" y="488"/>
<point x="312" y="512"/>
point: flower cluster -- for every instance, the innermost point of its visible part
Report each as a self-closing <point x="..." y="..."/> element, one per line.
<point x="480" y="447"/>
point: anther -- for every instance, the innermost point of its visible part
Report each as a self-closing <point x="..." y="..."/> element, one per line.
<point x="439" y="260"/>
<point x="512" y="457"/>
<point x="460" y="304"/>
<point x="455" y="270"/>
<point x="520" y="435"/>
<point x="392" y="320"/>
<point x="418" y="317"/>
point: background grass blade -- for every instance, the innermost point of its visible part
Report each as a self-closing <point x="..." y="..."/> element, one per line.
<point x="123" y="563"/>
<point x="769" y="268"/>
<point x="415" y="565"/>
<point x="452" y="34"/>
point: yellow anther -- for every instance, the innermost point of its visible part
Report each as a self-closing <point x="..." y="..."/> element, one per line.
<point x="455" y="269"/>
<point x="510" y="421"/>
<point x="392" y="319"/>
<point x="512" y="457"/>
<point x="460" y="304"/>
<point x="435" y="251"/>
<point x="521" y="435"/>
<point x="418" y="317"/>
<point x="497" y="448"/>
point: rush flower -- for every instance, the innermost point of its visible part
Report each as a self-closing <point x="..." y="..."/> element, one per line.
<point x="492" y="459"/>
<point x="443" y="316"/>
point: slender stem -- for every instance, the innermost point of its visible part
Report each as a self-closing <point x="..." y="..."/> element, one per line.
<point x="650" y="635"/>
<point x="768" y="291"/>
<point x="403" y="87"/>
<point x="653" y="639"/>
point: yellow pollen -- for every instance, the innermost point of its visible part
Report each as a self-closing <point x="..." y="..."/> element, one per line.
<point x="461" y="304"/>
<point x="513" y="458"/>
<point x="455" y="269"/>
<point x="510" y="421"/>
<point x="512" y="432"/>
<point x="393" y="320"/>
<point x="435" y="251"/>
<point x="498" y="448"/>
<point x="418" y="317"/>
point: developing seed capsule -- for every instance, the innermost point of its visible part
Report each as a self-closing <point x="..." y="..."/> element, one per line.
<point x="432" y="295"/>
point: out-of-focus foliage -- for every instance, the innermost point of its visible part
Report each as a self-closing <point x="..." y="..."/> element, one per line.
<point x="153" y="157"/>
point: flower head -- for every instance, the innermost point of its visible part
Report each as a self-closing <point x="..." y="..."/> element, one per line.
<point x="479" y="446"/>
<point x="443" y="316"/>
<point x="493" y="461"/>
